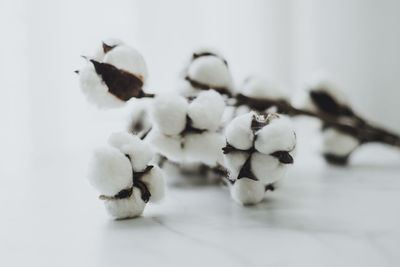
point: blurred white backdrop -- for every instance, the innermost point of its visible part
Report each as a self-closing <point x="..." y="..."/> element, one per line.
<point x="48" y="131"/>
<point x="42" y="109"/>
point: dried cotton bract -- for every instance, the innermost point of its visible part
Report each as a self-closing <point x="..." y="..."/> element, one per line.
<point x="257" y="152"/>
<point x="121" y="173"/>
<point x="115" y="74"/>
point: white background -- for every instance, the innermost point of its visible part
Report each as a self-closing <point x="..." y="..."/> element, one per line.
<point x="48" y="129"/>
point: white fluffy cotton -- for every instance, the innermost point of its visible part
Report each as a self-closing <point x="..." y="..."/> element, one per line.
<point x="95" y="90"/>
<point x="155" y="183"/>
<point x="128" y="59"/>
<point x="139" y="114"/>
<point x="206" y="110"/>
<point x="111" y="42"/>
<point x="247" y="192"/>
<point x="210" y="70"/>
<point x="126" y="208"/>
<point x="337" y="143"/>
<point x="168" y="146"/>
<point x="257" y="87"/>
<point x="204" y="147"/>
<point x="122" y="57"/>
<point x="234" y="162"/>
<point x="238" y="133"/>
<point x="139" y="151"/>
<point x="278" y="135"/>
<point x="169" y="114"/>
<point x="110" y="171"/>
<point x="267" y="168"/>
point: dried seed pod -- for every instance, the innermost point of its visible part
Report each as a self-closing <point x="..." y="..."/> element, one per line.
<point x="114" y="75"/>
<point x="258" y="148"/>
<point x="206" y="70"/>
<point x="122" y="174"/>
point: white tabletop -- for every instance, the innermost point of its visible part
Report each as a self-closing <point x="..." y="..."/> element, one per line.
<point x="319" y="216"/>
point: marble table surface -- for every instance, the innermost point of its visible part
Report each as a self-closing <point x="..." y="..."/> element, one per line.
<point x="319" y="216"/>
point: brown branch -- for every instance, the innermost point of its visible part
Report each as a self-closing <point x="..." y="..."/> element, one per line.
<point x="354" y="125"/>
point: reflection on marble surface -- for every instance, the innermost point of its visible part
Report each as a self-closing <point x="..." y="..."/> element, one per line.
<point x="319" y="216"/>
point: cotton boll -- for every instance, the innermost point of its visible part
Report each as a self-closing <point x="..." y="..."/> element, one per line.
<point x="120" y="139"/>
<point x="126" y="207"/>
<point x="278" y="135"/>
<point x="139" y="121"/>
<point x="210" y="70"/>
<point x="110" y="171"/>
<point x="267" y="168"/>
<point x="328" y="87"/>
<point x="95" y="90"/>
<point x="256" y="87"/>
<point x="203" y="51"/>
<point x="238" y="133"/>
<point x="106" y="46"/>
<point x="247" y="192"/>
<point x="169" y="114"/>
<point x="205" y="148"/>
<point x="128" y="59"/>
<point x="206" y="110"/>
<point x="186" y="89"/>
<point x="168" y="146"/>
<point x="327" y="98"/>
<point x="337" y="143"/>
<point x="139" y="151"/>
<point x="234" y="161"/>
<point x="154" y="181"/>
<point x="241" y="110"/>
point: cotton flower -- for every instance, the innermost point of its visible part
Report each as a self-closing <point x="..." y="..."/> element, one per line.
<point x="206" y="70"/>
<point x="258" y="150"/>
<point x="325" y="97"/>
<point x="247" y="191"/>
<point x="185" y="131"/>
<point x="337" y="143"/>
<point x="116" y="73"/>
<point x="338" y="146"/>
<point x="122" y="173"/>
<point x="139" y="121"/>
